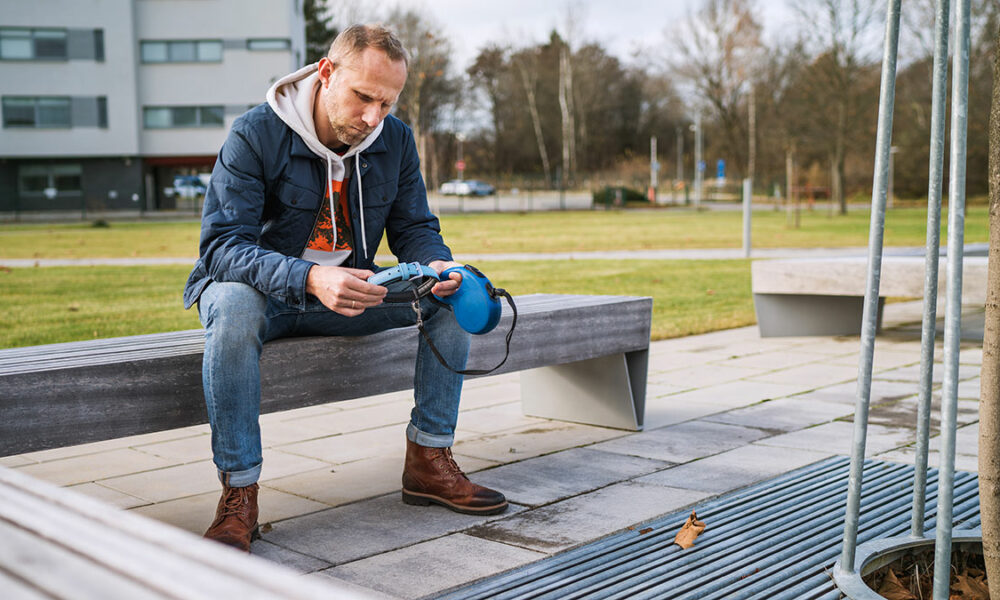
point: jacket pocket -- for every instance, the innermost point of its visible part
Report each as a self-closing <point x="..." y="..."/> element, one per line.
<point x="297" y="197"/>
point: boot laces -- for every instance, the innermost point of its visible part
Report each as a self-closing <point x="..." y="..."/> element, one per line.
<point x="235" y="502"/>
<point x="448" y="459"/>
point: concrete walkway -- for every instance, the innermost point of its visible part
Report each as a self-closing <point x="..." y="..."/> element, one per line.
<point x="724" y="410"/>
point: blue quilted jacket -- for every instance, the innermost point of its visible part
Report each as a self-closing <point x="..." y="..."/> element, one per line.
<point x="265" y="194"/>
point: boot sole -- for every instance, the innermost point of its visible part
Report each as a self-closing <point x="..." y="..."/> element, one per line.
<point x="417" y="499"/>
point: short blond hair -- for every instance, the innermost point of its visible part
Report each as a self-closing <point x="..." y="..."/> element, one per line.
<point x="357" y="38"/>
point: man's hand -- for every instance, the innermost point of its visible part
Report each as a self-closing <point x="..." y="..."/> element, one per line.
<point x="343" y="290"/>
<point x="450" y="285"/>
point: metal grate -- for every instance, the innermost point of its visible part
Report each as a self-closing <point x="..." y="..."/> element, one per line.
<point x="777" y="539"/>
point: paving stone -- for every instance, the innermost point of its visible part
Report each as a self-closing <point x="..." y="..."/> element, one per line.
<point x="903" y="412"/>
<point x="970" y="388"/>
<point x="498" y="393"/>
<point x="736" y="394"/>
<point x="883" y="360"/>
<point x="108" y="495"/>
<point x="660" y="362"/>
<point x="813" y="374"/>
<point x="434" y="566"/>
<point x="670" y="410"/>
<point x="189" y="449"/>
<point x="519" y="444"/>
<point x="350" y="482"/>
<point x="199" y="477"/>
<point x="115" y="444"/>
<point x="684" y="442"/>
<point x="358" y="419"/>
<point x="912" y="372"/>
<point x="837" y="438"/>
<point x="580" y="519"/>
<point x="706" y="374"/>
<point x="348" y="587"/>
<point x="846" y="393"/>
<point x="293" y="560"/>
<point x="563" y="474"/>
<point x="495" y="419"/>
<point x="784" y="414"/>
<point x="907" y="455"/>
<point x="94" y="467"/>
<point x="17" y="460"/>
<point x="362" y="529"/>
<point x="195" y="513"/>
<point x="354" y="446"/>
<point x="769" y="361"/>
<point x="734" y="469"/>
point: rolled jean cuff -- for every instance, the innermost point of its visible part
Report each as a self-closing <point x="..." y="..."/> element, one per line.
<point x="240" y="478"/>
<point x="428" y="440"/>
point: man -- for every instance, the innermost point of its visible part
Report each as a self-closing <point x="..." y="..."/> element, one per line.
<point x="301" y="194"/>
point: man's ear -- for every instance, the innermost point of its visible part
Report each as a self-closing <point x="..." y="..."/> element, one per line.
<point x="325" y="70"/>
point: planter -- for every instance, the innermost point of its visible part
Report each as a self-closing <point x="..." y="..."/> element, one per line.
<point x="874" y="555"/>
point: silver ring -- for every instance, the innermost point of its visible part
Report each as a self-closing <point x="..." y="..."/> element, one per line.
<point x="354" y="304"/>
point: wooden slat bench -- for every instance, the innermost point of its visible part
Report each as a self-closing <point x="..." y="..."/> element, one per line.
<point x="825" y="296"/>
<point x="60" y="544"/>
<point x="584" y="357"/>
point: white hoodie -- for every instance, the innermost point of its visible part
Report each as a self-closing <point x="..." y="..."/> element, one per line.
<point x="292" y="98"/>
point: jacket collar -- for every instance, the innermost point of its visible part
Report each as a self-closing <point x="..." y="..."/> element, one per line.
<point x="299" y="147"/>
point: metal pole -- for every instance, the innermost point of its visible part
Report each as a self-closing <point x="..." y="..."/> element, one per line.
<point x="680" y="160"/>
<point x="747" y="197"/>
<point x="931" y="258"/>
<point x="699" y="170"/>
<point x="869" y="322"/>
<point x="953" y="316"/>
<point x="654" y="166"/>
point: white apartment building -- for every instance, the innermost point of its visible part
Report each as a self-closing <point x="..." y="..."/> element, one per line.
<point x="104" y="102"/>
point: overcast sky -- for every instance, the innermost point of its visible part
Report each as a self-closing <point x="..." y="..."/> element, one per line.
<point x="623" y="27"/>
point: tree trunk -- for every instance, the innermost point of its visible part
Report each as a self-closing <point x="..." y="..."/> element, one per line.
<point x="536" y="121"/>
<point x="566" y="109"/>
<point x="989" y="402"/>
<point x="837" y="174"/>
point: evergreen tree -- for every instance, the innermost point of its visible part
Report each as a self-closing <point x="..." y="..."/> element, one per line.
<point x="319" y="30"/>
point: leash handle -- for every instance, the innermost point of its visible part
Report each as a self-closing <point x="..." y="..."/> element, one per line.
<point x="510" y="333"/>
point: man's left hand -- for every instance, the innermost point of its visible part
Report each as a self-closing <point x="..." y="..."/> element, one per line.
<point x="448" y="286"/>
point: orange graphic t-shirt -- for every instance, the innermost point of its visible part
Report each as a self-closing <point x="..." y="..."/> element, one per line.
<point x="331" y="240"/>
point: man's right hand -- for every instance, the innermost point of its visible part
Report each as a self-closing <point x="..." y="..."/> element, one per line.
<point x="343" y="290"/>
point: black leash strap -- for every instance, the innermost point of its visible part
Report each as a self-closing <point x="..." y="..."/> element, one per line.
<point x="510" y="333"/>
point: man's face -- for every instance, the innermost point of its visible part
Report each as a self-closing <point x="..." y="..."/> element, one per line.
<point x="357" y="94"/>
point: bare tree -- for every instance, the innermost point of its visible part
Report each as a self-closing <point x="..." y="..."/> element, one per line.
<point x="526" y="62"/>
<point x="989" y="401"/>
<point x="843" y="36"/>
<point x="717" y="55"/>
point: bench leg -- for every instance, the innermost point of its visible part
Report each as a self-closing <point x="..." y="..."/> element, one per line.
<point x="781" y="315"/>
<point x="609" y="391"/>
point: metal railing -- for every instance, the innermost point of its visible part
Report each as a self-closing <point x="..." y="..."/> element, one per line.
<point x="952" y="333"/>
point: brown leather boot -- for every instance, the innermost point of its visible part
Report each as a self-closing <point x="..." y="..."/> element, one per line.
<point x="432" y="475"/>
<point x="236" y="518"/>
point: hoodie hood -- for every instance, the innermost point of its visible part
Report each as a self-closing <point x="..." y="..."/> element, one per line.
<point x="292" y="98"/>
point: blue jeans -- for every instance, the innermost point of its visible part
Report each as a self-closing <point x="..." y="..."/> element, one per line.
<point x="238" y="319"/>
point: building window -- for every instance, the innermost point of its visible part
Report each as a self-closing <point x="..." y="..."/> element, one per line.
<point x="181" y="51"/>
<point x="269" y="44"/>
<point x="37" y="112"/>
<point x="171" y="117"/>
<point x="32" y="44"/>
<point x="50" y="180"/>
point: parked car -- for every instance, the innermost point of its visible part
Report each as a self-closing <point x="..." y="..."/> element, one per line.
<point x="467" y="187"/>
<point x="189" y="186"/>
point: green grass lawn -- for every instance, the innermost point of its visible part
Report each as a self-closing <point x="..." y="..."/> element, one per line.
<point x="529" y="232"/>
<point x="49" y="305"/>
<point x="61" y="304"/>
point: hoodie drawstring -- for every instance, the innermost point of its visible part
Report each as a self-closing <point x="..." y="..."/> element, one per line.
<point x="361" y="203"/>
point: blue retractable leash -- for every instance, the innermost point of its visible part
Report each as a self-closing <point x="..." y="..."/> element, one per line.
<point x="476" y="303"/>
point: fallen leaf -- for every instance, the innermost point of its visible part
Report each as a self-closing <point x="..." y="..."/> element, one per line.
<point x="691" y="529"/>
<point x="893" y="589"/>
<point x="969" y="586"/>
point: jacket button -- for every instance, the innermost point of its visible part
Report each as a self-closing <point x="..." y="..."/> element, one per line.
<point x="295" y="201"/>
<point x="364" y="165"/>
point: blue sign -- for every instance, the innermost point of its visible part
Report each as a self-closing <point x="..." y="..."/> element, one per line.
<point x="701" y="166"/>
<point x="720" y="169"/>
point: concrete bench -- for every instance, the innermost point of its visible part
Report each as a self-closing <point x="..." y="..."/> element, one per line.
<point x="584" y="360"/>
<point x="825" y="296"/>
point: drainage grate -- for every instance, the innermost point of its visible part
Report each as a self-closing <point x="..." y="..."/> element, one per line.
<point x="777" y="539"/>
